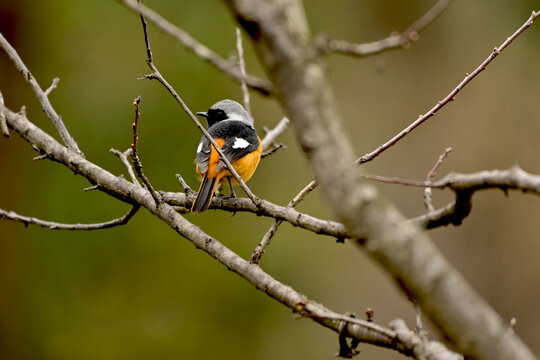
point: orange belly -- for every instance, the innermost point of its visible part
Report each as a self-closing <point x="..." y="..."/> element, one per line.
<point x="245" y="167"/>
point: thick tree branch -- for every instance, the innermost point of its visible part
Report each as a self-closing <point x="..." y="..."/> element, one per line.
<point x="393" y="41"/>
<point x="281" y="36"/>
<point x="228" y="67"/>
<point x="266" y="208"/>
<point x="120" y="188"/>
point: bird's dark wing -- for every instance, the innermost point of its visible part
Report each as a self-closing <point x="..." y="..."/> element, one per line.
<point x="236" y="147"/>
<point x="203" y="154"/>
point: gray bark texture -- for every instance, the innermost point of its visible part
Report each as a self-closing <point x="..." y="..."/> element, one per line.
<point x="281" y="36"/>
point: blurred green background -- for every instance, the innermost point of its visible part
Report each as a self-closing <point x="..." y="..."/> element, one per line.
<point x="141" y="292"/>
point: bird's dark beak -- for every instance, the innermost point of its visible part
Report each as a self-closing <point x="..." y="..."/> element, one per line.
<point x="203" y="114"/>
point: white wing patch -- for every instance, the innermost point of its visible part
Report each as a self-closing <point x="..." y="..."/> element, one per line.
<point x="199" y="148"/>
<point x="240" y="143"/>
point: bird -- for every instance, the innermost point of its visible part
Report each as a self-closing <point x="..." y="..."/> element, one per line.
<point x="232" y="129"/>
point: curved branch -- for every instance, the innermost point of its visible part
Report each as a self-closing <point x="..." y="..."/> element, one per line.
<point x="13" y="216"/>
<point x="465" y="185"/>
<point x="393" y="41"/>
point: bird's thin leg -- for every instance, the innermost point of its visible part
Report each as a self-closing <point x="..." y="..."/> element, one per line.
<point x="233" y="194"/>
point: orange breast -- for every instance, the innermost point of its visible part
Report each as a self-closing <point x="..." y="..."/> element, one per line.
<point x="245" y="167"/>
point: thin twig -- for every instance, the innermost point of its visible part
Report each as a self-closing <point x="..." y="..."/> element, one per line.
<point x="135" y="157"/>
<point x="3" y="123"/>
<point x="157" y="75"/>
<point x="40" y="157"/>
<point x="430" y="176"/>
<point x="399" y="181"/>
<point x="10" y="215"/>
<point x="53" y="86"/>
<point x="242" y="65"/>
<point x="271" y="135"/>
<point x="228" y="67"/>
<point x="42" y="97"/>
<point x="187" y="189"/>
<point x="123" y="156"/>
<point x="272" y="150"/>
<point x="393" y="41"/>
<point x="451" y="96"/>
<point x="260" y="249"/>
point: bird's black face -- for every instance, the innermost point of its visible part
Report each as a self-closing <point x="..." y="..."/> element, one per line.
<point x="214" y="116"/>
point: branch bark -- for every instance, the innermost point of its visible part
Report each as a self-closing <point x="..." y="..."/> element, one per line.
<point x="124" y="190"/>
<point x="281" y="36"/>
<point x="40" y="94"/>
<point x="394" y="41"/>
<point x="189" y="42"/>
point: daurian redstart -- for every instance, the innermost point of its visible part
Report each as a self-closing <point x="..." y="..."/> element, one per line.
<point x="232" y="129"/>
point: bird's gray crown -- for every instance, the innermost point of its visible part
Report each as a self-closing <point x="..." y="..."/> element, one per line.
<point x="233" y="110"/>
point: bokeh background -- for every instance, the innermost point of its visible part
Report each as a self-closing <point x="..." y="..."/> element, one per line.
<point x="141" y="292"/>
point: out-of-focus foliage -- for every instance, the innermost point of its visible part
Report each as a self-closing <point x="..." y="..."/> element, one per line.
<point x="140" y="291"/>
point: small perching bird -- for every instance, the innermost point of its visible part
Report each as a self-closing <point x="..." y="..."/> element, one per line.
<point x="232" y="129"/>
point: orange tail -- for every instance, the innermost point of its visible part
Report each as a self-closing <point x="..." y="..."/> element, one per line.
<point x="205" y="194"/>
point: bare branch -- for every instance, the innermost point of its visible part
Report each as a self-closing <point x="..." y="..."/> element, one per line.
<point x="432" y="173"/>
<point x="393" y="41"/>
<point x="13" y="216"/>
<point x="272" y="135"/>
<point x="123" y="156"/>
<point x="453" y="213"/>
<point x="451" y="96"/>
<point x="421" y="348"/>
<point x="272" y="150"/>
<point x="157" y="75"/>
<point x="3" y="123"/>
<point x="513" y="178"/>
<point x="187" y="189"/>
<point x="42" y="97"/>
<point x="228" y="67"/>
<point x="266" y="208"/>
<point x="260" y="249"/>
<point x="242" y="65"/>
<point x="134" y="154"/>
<point x="464" y="186"/>
<point x="53" y="86"/>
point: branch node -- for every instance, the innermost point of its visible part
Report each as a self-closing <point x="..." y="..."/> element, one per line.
<point x="273" y="150"/>
<point x="40" y="157"/>
<point x="90" y="188"/>
<point x="187" y="189"/>
<point x="53" y="86"/>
